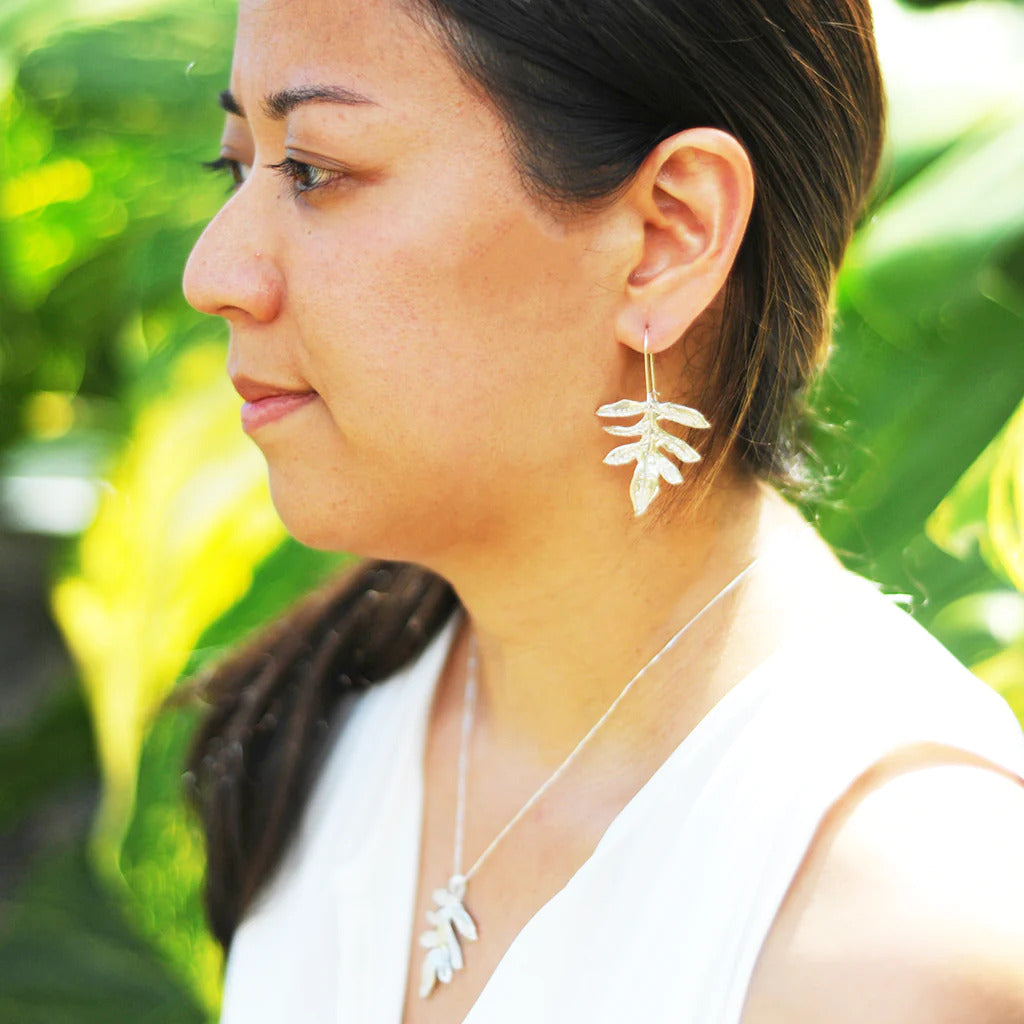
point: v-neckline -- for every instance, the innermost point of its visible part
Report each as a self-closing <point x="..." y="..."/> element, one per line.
<point x="731" y="702"/>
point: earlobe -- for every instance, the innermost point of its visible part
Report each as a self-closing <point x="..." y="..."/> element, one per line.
<point x="694" y="195"/>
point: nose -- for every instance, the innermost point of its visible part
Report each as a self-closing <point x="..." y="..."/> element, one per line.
<point x="231" y="271"/>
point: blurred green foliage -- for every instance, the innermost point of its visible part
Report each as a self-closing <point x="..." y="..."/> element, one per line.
<point x="105" y="373"/>
<point x="102" y="127"/>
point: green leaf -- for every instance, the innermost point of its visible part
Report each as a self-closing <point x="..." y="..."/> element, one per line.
<point x="68" y="955"/>
<point x="986" y="507"/>
<point x="927" y="366"/>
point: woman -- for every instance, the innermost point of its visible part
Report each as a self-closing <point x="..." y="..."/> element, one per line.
<point x="646" y="750"/>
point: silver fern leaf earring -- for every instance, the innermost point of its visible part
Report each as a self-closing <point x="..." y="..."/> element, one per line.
<point x="651" y="465"/>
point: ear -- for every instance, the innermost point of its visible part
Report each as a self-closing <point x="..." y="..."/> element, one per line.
<point x="689" y="205"/>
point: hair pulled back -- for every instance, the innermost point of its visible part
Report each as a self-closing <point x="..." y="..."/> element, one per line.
<point x="586" y="88"/>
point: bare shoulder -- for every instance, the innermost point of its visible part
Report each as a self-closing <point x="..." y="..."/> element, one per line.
<point x="908" y="907"/>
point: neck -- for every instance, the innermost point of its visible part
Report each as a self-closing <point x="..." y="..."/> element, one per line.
<point x="563" y="621"/>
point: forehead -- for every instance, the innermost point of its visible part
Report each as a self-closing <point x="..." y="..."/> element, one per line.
<point x="371" y="46"/>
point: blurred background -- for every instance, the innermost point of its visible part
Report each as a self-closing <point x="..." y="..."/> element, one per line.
<point x="137" y="539"/>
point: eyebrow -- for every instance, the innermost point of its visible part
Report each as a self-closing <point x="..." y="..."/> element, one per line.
<point x="278" y="105"/>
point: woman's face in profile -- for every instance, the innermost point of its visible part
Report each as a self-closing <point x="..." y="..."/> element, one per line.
<point x="454" y="340"/>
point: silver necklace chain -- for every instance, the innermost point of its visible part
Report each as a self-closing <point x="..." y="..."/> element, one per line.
<point x="450" y="919"/>
<point x="469" y="707"/>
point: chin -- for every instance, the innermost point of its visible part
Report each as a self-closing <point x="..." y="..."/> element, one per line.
<point x="330" y="524"/>
<point x="364" y="517"/>
<point x="310" y="519"/>
<point x="307" y="524"/>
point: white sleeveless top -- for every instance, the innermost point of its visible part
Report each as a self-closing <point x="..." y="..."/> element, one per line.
<point x="664" y="921"/>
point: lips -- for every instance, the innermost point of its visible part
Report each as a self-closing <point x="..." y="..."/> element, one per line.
<point x="266" y="403"/>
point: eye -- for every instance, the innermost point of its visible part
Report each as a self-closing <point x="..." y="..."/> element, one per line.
<point x="239" y="171"/>
<point x="304" y="177"/>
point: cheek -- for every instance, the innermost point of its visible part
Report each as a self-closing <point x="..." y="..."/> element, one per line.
<point x="410" y="311"/>
<point x="450" y="341"/>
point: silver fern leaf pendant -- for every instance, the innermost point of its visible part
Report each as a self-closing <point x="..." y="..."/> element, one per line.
<point x="652" y="466"/>
<point x="444" y="955"/>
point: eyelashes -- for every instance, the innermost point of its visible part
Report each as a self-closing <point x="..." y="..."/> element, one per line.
<point x="225" y="163"/>
<point x="304" y="177"/>
<point x="301" y="177"/>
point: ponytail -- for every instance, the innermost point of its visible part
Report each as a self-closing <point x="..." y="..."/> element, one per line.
<point x="255" y="755"/>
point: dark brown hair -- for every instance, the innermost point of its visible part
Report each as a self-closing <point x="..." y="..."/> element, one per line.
<point x="586" y="89"/>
